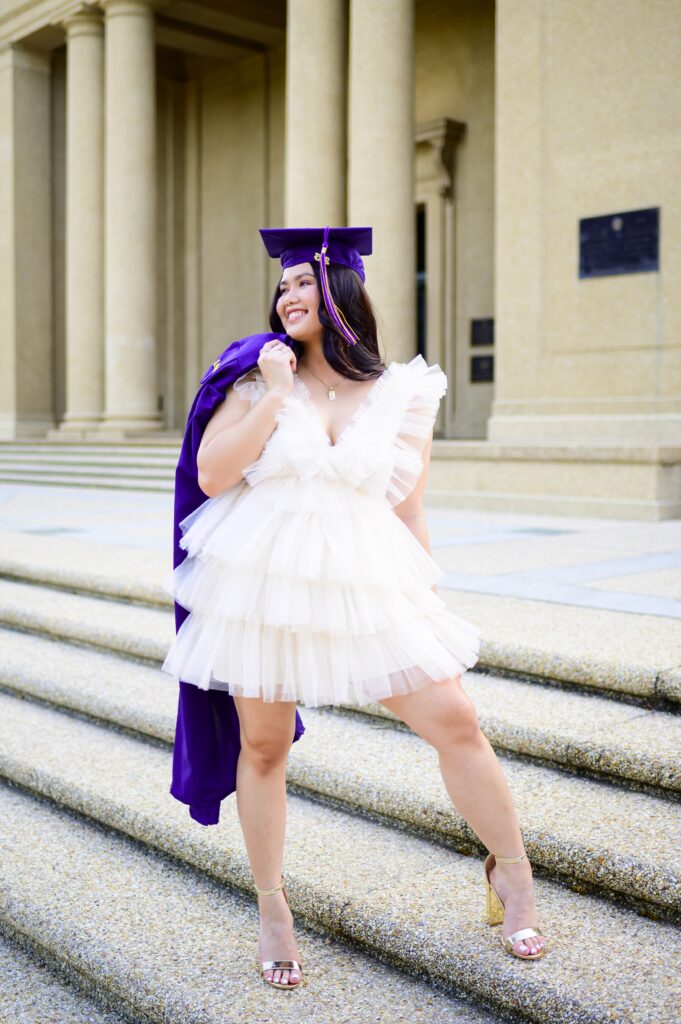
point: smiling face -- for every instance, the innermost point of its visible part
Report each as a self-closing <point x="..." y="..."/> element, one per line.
<point x="298" y="303"/>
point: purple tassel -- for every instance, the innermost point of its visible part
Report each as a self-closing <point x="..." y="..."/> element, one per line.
<point x="332" y="309"/>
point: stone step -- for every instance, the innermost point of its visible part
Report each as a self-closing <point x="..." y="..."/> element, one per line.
<point x="635" y="658"/>
<point x="553" y="478"/>
<point x="31" y="993"/>
<point x="91" y="466"/>
<point x="125" y="628"/>
<point x="597" y="735"/>
<point x="158" y="439"/>
<point x="167" y="945"/>
<point x="65" y="457"/>
<point x="87" y="567"/>
<point x="595" y="479"/>
<point x="589" y="834"/>
<point x="151" y="443"/>
<point x="62" y="479"/>
<point x="400" y="897"/>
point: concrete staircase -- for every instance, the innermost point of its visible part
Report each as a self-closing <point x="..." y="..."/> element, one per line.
<point x="622" y="482"/>
<point x="147" y="465"/>
<point x="142" y="913"/>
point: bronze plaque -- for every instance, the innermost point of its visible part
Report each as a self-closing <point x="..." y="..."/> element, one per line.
<point x="482" y="331"/>
<point x="619" y="243"/>
<point x="482" y="369"/>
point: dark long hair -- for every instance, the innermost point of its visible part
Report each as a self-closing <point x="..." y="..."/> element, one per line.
<point x="358" y="362"/>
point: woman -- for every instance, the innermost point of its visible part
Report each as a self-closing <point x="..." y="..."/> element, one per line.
<point x="309" y="575"/>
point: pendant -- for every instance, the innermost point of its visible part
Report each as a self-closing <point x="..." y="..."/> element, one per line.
<point x="332" y="394"/>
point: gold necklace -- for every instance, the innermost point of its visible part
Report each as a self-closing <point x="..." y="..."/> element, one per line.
<point x="331" y="393"/>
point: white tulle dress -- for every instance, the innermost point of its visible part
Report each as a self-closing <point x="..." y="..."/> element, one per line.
<point x="300" y="581"/>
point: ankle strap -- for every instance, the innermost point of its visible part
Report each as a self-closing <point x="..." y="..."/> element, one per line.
<point x="510" y="860"/>
<point x="268" y="892"/>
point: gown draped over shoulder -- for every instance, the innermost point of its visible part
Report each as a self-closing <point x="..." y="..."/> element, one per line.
<point x="300" y="581"/>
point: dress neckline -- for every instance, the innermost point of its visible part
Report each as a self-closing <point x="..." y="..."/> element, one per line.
<point x="362" y="406"/>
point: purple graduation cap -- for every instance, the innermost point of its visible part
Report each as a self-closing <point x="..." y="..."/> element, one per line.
<point x="207" y="732"/>
<point x="323" y="245"/>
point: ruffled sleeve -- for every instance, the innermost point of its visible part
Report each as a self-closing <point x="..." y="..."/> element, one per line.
<point x="250" y="385"/>
<point x="422" y="387"/>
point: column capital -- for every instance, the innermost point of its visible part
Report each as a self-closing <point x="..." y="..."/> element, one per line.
<point x="85" y="21"/>
<point x="18" y="55"/>
<point x="131" y="7"/>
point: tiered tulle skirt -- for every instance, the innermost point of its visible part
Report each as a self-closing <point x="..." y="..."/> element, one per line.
<point x="310" y="592"/>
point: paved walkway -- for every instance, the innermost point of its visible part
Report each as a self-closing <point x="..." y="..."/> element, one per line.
<point x="609" y="564"/>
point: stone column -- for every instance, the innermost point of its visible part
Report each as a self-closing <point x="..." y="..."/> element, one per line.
<point x="84" y="222"/>
<point x="381" y="160"/>
<point x="26" y="352"/>
<point x="315" y="113"/>
<point x="131" y="388"/>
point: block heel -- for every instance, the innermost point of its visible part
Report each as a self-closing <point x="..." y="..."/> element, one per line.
<point x="495" y="910"/>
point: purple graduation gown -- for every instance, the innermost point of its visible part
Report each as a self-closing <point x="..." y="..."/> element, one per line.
<point x="207" y="739"/>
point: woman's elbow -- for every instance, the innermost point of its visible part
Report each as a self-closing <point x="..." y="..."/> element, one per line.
<point x="205" y="485"/>
<point x="207" y="480"/>
<point x="409" y="510"/>
<point x="202" y="475"/>
<point x="211" y="485"/>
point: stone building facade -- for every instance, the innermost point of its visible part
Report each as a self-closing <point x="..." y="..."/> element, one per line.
<point x="144" y="142"/>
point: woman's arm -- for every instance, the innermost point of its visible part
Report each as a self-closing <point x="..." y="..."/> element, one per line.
<point x="411" y="510"/>
<point x="234" y="438"/>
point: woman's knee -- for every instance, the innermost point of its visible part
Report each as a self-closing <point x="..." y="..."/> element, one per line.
<point x="266" y="732"/>
<point x="264" y="749"/>
<point x="455" y="720"/>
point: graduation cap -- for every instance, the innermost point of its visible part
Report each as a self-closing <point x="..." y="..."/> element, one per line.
<point x="325" y="246"/>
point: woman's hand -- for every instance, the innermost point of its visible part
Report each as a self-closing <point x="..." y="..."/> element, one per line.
<point x="277" y="364"/>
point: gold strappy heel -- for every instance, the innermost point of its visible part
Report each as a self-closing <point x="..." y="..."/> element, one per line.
<point x="278" y="965"/>
<point x="495" y="911"/>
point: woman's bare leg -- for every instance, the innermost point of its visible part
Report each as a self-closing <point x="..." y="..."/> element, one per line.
<point x="444" y="715"/>
<point x="266" y="736"/>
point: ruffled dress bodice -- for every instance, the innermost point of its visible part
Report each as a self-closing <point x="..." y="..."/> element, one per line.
<point x="301" y="582"/>
<point x="378" y="451"/>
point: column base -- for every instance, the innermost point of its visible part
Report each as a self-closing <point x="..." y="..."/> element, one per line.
<point x="74" y="428"/>
<point x="120" y="428"/>
<point x="12" y="428"/>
